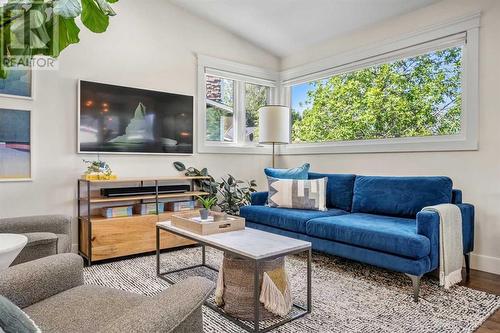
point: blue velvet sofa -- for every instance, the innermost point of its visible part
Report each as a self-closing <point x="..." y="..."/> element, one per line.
<point x="372" y="219"/>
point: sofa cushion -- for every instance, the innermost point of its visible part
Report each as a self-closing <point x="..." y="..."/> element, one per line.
<point x="284" y="218"/>
<point x="399" y="196"/>
<point x="339" y="189"/>
<point x="389" y="234"/>
<point x="294" y="173"/>
<point x="69" y="311"/>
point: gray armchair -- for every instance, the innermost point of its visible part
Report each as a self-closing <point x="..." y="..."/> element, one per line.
<point x="47" y="235"/>
<point x="51" y="291"/>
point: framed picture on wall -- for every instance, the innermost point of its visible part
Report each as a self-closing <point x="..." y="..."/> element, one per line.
<point x="18" y="84"/>
<point x="15" y="145"/>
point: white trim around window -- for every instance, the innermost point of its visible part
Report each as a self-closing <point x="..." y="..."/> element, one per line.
<point x="241" y="74"/>
<point x="463" y="30"/>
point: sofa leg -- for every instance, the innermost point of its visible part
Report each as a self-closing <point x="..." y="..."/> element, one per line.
<point x="467" y="265"/>
<point x="415" y="280"/>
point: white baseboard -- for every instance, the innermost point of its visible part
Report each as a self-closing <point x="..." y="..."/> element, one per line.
<point x="485" y="263"/>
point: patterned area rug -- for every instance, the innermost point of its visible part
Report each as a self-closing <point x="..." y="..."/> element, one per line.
<point x="347" y="296"/>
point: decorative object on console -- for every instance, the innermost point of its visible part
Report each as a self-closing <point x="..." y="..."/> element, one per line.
<point x="214" y="224"/>
<point x="207" y="204"/>
<point x="15" y="145"/>
<point x="297" y="193"/>
<point x="98" y="170"/>
<point x="231" y="192"/>
<point x="274" y="125"/>
<point x="115" y="119"/>
<point x="300" y="172"/>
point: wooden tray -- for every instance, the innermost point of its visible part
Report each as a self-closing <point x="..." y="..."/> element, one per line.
<point x="191" y="221"/>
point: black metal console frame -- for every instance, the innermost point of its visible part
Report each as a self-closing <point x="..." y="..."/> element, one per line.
<point x="256" y="322"/>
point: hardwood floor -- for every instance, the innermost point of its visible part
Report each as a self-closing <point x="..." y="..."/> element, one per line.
<point x="490" y="283"/>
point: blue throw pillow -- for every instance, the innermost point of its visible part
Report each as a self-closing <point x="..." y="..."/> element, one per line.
<point x="13" y="319"/>
<point x="294" y="173"/>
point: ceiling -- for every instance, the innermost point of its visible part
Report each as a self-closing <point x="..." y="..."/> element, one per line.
<point x="285" y="26"/>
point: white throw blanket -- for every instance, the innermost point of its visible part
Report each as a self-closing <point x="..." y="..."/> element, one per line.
<point x="450" y="243"/>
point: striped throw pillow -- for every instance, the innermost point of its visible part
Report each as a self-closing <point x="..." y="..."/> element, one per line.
<point x="297" y="193"/>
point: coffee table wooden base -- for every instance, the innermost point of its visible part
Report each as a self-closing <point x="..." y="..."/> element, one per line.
<point x="296" y="312"/>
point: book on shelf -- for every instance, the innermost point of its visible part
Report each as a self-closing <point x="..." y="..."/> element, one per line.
<point x="179" y="206"/>
<point x="120" y="211"/>
<point x="148" y="208"/>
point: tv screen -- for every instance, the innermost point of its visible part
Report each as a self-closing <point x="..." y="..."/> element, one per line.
<point x="115" y="119"/>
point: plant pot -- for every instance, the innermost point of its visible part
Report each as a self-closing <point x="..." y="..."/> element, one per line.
<point x="204" y="213"/>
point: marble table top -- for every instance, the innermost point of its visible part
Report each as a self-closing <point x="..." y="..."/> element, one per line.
<point x="249" y="243"/>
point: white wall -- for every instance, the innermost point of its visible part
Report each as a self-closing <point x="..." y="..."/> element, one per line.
<point x="150" y="44"/>
<point x="477" y="173"/>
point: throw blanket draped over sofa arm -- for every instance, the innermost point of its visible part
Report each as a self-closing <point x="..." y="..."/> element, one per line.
<point x="428" y="226"/>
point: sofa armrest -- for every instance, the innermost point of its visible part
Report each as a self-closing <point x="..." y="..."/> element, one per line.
<point x="428" y="226"/>
<point x="177" y="307"/>
<point x="31" y="282"/>
<point x="467" y="211"/>
<point x="57" y="224"/>
<point x="259" y="198"/>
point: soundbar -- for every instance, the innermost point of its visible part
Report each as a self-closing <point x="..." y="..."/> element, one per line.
<point x="144" y="190"/>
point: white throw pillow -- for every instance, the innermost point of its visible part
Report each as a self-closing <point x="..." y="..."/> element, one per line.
<point x="297" y="193"/>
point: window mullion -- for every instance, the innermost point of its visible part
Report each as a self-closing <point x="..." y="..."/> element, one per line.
<point x="239" y="112"/>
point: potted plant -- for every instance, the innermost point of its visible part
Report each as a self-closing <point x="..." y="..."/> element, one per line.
<point x="207" y="203"/>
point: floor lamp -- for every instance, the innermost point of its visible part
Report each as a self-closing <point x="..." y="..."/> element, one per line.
<point x="274" y="125"/>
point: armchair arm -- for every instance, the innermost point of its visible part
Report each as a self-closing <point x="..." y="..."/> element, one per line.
<point x="57" y="224"/>
<point x="177" y="309"/>
<point x="31" y="282"/>
<point x="259" y="198"/>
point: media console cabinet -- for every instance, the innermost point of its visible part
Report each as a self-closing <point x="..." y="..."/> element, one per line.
<point x="101" y="238"/>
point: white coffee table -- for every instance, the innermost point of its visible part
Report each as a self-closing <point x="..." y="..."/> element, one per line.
<point x="10" y="246"/>
<point x="252" y="244"/>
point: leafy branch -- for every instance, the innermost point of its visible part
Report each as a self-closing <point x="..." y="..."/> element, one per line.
<point x="46" y="27"/>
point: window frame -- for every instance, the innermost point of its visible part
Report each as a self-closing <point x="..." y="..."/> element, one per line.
<point x="240" y="74"/>
<point x="431" y="38"/>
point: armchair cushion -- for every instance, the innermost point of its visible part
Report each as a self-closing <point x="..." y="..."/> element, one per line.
<point x="40" y="244"/>
<point x="34" y="281"/>
<point x="13" y="319"/>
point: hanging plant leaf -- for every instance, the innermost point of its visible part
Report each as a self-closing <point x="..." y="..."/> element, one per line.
<point x="93" y="17"/>
<point x="179" y="166"/>
<point x="105" y="7"/>
<point x="67" y="8"/>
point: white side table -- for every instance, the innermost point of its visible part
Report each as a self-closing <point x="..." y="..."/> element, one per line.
<point x="10" y="246"/>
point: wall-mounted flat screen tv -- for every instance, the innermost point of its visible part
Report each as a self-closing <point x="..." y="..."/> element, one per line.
<point x="115" y="119"/>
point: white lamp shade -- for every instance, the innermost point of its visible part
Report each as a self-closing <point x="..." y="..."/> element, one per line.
<point x="274" y="124"/>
